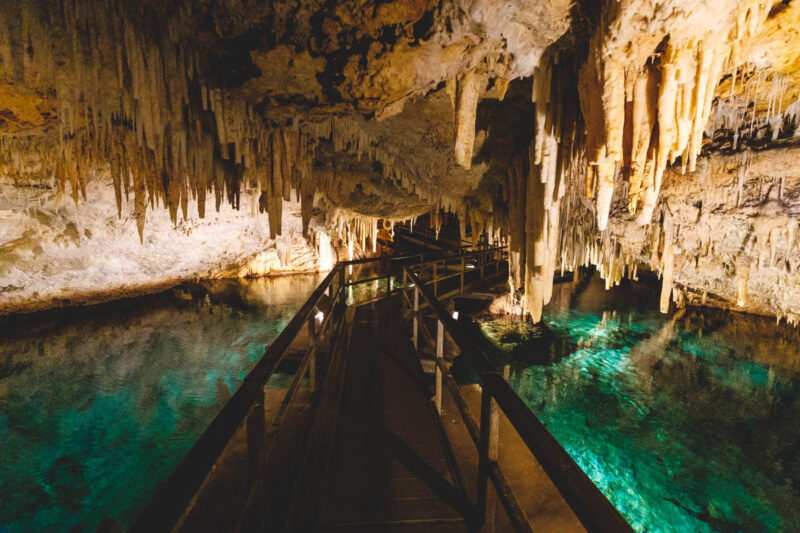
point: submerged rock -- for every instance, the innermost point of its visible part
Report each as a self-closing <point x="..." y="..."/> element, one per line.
<point x="522" y="343"/>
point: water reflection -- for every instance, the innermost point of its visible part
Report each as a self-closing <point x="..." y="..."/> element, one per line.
<point x="687" y="423"/>
<point x="97" y="405"/>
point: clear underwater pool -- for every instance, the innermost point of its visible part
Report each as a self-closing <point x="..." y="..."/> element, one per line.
<point x="688" y="422"/>
<point x="99" y="404"/>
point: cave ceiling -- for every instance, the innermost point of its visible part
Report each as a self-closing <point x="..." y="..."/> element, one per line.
<point x="536" y="121"/>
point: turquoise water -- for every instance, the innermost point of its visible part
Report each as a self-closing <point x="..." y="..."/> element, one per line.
<point x="688" y="422"/>
<point x="98" y="405"/>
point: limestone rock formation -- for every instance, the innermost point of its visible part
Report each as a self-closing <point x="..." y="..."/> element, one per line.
<point x="607" y="134"/>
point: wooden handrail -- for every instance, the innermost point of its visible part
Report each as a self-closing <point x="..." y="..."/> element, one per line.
<point x="467" y="255"/>
<point x="444" y="253"/>
<point x="174" y="496"/>
<point x="590" y="506"/>
<point x="393" y="258"/>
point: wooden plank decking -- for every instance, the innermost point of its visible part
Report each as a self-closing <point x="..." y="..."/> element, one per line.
<point x="390" y="470"/>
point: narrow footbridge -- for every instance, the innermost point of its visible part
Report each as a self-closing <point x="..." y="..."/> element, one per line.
<point x="339" y="427"/>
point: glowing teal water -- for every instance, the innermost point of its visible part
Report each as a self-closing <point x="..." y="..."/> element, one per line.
<point x="99" y="405"/>
<point x="686" y="424"/>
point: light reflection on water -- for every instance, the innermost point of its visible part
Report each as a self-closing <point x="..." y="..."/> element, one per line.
<point x="688" y="422"/>
<point x="98" y="405"/>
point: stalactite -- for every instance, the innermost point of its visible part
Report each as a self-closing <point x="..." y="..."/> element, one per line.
<point x="549" y="166"/>
<point x="742" y="119"/>
<point x="133" y="103"/>
<point x="536" y="252"/>
<point x="469" y="88"/>
<point x="663" y="128"/>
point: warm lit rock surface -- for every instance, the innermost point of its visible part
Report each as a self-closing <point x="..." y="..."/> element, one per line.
<point x="55" y="254"/>
<point x="543" y="124"/>
<point x="734" y="231"/>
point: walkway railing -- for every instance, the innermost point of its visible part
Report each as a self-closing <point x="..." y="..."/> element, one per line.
<point x="426" y="278"/>
<point x="590" y="506"/>
<point x="175" y="497"/>
<point x="316" y="322"/>
<point x="389" y="269"/>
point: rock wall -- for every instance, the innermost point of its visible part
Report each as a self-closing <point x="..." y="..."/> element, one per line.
<point x="531" y="122"/>
<point x="731" y="229"/>
<point x="54" y="253"/>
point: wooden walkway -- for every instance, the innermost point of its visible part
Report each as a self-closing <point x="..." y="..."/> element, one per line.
<point x="362" y="447"/>
<point x="390" y="467"/>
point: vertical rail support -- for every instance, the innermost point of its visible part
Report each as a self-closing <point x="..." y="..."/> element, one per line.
<point x="493" y="454"/>
<point x="483" y="458"/>
<point x="256" y="433"/>
<point x="312" y="363"/>
<point x="388" y="276"/>
<point x="257" y="458"/>
<point x="342" y="292"/>
<point x="439" y="357"/>
<point x="435" y="277"/>
<point x="482" y="261"/>
<point x="405" y="282"/>
<point x="416" y="320"/>
<point x="488" y="447"/>
<point x="463" y="268"/>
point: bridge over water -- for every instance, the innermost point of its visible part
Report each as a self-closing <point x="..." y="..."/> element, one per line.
<point x="339" y="427"/>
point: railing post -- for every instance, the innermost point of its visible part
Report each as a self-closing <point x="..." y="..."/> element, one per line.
<point x="312" y="363"/>
<point x="483" y="457"/>
<point x="388" y="276"/>
<point x="439" y="357"/>
<point x="488" y="447"/>
<point x="416" y="312"/>
<point x="481" y="260"/>
<point x="493" y="454"/>
<point x="342" y="295"/>
<point x="463" y="268"/>
<point x="256" y="428"/>
<point x="435" y="280"/>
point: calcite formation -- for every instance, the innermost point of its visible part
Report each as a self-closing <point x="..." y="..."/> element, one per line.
<point x="55" y="253"/>
<point x="577" y="133"/>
